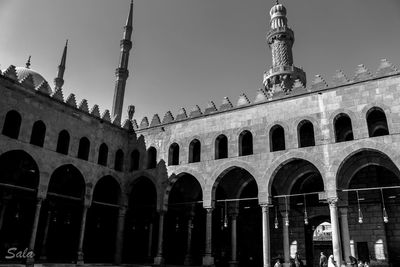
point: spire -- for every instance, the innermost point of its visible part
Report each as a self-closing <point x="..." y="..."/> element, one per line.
<point x="122" y="73"/>
<point x="59" y="81"/>
<point x="280" y="38"/>
<point x="28" y="63"/>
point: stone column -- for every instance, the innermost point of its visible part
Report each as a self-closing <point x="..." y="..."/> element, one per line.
<point x="158" y="260"/>
<point x="150" y="240"/>
<point x="80" y="256"/>
<point x="119" y="239"/>
<point x="188" y="257"/>
<point x="30" y="260"/>
<point x="266" y="236"/>
<point x="337" y="253"/>
<point x="4" y="204"/>
<point x="345" y="233"/>
<point x="286" y="242"/>
<point x="208" y="259"/>
<point x="43" y="253"/>
<point x="233" y="216"/>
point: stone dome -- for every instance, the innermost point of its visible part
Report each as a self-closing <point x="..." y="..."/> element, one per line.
<point x="38" y="79"/>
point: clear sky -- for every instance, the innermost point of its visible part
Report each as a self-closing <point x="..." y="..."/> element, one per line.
<point x="188" y="52"/>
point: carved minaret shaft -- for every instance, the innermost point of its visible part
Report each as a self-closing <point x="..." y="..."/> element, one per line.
<point x="122" y="72"/>
<point x="280" y="40"/>
<point x="59" y="81"/>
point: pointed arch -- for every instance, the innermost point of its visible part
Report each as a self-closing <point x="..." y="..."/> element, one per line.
<point x="119" y="160"/>
<point x="84" y="148"/>
<point x="221" y="147"/>
<point x="135" y="160"/>
<point x="343" y="128"/>
<point x="194" y="151"/>
<point x="277" y="138"/>
<point x="12" y="124"/>
<point x="63" y="142"/>
<point x="377" y="122"/>
<point x="151" y="158"/>
<point x="38" y="133"/>
<point x="103" y="155"/>
<point x="305" y="133"/>
<point x="245" y="143"/>
<point x="173" y="154"/>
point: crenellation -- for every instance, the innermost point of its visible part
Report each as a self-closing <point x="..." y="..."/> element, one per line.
<point x="211" y="108"/>
<point x="181" y="115"/>
<point x="71" y="100"/>
<point x="226" y="104"/>
<point x="135" y="125"/>
<point x="11" y="73"/>
<point x="28" y="83"/>
<point x="362" y="74"/>
<point x="83" y="105"/>
<point x="243" y="100"/>
<point x="340" y="78"/>
<point x="261" y="96"/>
<point x="106" y="115"/>
<point x="144" y="123"/>
<point x="318" y="83"/>
<point x="44" y="88"/>
<point x="168" y="117"/>
<point x="58" y="95"/>
<point x="386" y="68"/>
<point x="95" y="111"/>
<point x="155" y="121"/>
<point x="195" y="112"/>
<point x="127" y="125"/>
<point x="116" y="120"/>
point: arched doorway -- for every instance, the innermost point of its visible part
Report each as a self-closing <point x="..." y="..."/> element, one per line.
<point x="296" y="187"/>
<point x="141" y="223"/>
<point x="370" y="182"/>
<point x="100" y="234"/>
<point x="65" y="201"/>
<point x="19" y="179"/>
<point x="236" y="232"/>
<point x="185" y="222"/>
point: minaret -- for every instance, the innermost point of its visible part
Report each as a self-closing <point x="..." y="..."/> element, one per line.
<point x="28" y="63"/>
<point x="280" y="40"/>
<point x="122" y="72"/>
<point x="59" y="81"/>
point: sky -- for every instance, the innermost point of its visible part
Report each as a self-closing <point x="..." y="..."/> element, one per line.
<point x="190" y="52"/>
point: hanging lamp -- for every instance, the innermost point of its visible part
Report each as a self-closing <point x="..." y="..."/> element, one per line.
<point x="287" y="212"/>
<point x="276" y="218"/>
<point x="360" y="215"/>
<point x="385" y="215"/>
<point x="305" y="211"/>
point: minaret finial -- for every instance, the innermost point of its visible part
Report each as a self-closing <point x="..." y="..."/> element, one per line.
<point x="277" y="2"/>
<point x="28" y="63"/>
<point x="59" y="81"/>
<point x="122" y="72"/>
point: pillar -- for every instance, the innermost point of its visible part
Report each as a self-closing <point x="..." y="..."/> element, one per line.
<point x="119" y="239"/>
<point x="43" y="253"/>
<point x="188" y="257"/>
<point x="150" y="240"/>
<point x="266" y="236"/>
<point x="158" y="260"/>
<point x="345" y="233"/>
<point x="233" y="215"/>
<point x="80" y="256"/>
<point x="30" y="260"/>
<point x="208" y="259"/>
<point x="337" y="254"/>
<point x="286" y="242"/>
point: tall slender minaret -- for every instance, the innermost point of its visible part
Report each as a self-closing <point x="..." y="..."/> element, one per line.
<point x="59" y="81"/>
<point x="280" y="40"/>
<point x="122" y="72"/>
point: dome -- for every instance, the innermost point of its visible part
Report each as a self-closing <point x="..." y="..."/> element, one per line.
<point x="38" y="79"/>
<point x="277" y="10"/>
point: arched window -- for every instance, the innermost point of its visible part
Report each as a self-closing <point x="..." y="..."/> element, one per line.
<point x="119" y="160"/>
<point x="245" y="143"/>
<point x="221" y="147"/>
<point x="12" y="124"/>
<point x="277" y="138"/>
<point x="38" y="133"/>
<point x="84" y="147"/>
<point x="151" y="158"/>
<point x="305" y="133"/>
<point x="103" y="155"/>
<point x="377" y="123"/>
<point x="63" y="142"/>
<point x="173" y="154"/>
<point x="194" y="151"/>
<point x="135" y="160"/>
<point x="343" y="128"/>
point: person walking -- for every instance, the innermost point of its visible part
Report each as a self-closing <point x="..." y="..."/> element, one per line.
<point x="331" y="262"/>
<point x="323" y="261"/>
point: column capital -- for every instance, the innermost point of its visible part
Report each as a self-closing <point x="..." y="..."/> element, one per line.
<point x="209" y="209"/>
<point x="332" y="201"/>
<point x="122" y="211"/>
<point x="343" y="210"/>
